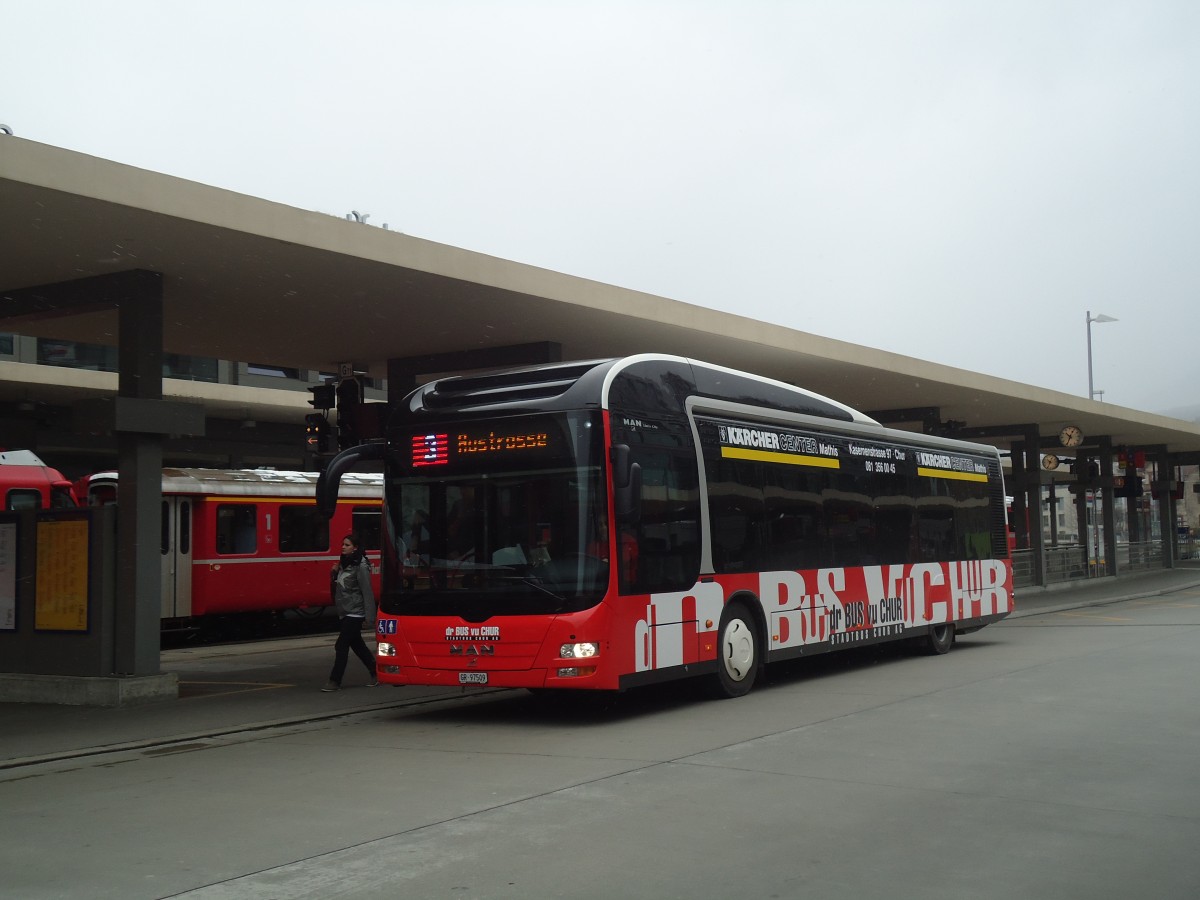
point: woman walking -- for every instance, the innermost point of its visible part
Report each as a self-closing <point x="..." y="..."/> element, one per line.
<point x="354" y="599"/>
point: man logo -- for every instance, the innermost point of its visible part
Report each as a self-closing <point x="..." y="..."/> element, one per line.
<point x="472" y="649"/>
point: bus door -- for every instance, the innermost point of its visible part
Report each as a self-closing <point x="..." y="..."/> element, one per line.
<point x="176" y="557"/>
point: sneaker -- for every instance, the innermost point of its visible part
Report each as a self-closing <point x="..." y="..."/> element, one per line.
<point x="374" y="682"/>
<point x="331" y="686"/>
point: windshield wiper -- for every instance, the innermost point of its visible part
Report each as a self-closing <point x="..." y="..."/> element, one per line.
<point x="534" y="583"/>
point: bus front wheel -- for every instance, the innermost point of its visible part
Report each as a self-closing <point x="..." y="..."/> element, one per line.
<point x="737" y="653"/>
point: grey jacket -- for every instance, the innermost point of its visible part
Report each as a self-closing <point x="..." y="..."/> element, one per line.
<point x="352" y="591"/>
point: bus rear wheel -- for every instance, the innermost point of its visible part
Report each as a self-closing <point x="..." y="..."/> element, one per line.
<point x="939" y="640"/>
<point x="737" y="653"/>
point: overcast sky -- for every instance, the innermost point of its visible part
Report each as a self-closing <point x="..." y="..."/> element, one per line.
<point x="955" y="180"/>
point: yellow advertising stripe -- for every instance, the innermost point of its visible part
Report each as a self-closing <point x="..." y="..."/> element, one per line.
<point x="791" y="459"/>
<point x="956" y="476"/>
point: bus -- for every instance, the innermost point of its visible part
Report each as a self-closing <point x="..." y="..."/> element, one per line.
<point x="28" y="483"/>
<point x="237" y="541"/>
<point x="613" y="523"/>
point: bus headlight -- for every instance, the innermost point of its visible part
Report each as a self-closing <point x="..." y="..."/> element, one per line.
<point x="385" y="649"/>
<point x="583" y="650"/>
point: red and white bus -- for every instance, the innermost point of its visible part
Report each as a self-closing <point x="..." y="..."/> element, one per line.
<point x="28" y="483"/>
<point x="608" y="524"/>
<point x="249" y="540"/>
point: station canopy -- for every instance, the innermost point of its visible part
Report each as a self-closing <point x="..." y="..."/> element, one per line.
<point x="251" y="280"/>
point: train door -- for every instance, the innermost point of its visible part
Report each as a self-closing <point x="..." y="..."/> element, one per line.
<point x="176" y="557"/>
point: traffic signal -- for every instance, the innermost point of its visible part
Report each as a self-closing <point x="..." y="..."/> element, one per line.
<point x="1085" y="469"/>
<point x="349" y="401"/>
<point x="323" y="396"/>
<point x="317" y="432"/>
<point x="1131" y="488"/>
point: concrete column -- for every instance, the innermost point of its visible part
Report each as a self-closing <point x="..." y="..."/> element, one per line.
<point x="1109" y="520"/>
<point x="139" y="469"/>
<point x="1033" y="503"/>
<point x="1082" y="487"/>
<point x="1166" y="505"/>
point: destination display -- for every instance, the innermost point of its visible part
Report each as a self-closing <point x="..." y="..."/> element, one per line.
<point x="491" y="446"/>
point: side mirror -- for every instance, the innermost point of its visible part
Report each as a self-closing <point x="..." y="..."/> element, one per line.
<point x="620" y="466"/>
<point x="627" y="486"/>
<point x="330" y="478"/>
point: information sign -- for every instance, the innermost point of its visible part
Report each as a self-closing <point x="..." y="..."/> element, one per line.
<point x="61" y="599"/>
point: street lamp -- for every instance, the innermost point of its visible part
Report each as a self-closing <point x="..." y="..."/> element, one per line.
<point x="1090" y="319"/>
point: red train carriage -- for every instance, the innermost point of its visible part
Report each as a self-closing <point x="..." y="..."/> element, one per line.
<point x="28" y="483"/>
<point x="250" y="540"/>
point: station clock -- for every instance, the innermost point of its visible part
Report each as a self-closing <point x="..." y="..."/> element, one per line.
<point x="1070" y="436"/>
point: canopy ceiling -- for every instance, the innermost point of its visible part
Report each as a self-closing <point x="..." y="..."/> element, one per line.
<point x="250" y="280"/>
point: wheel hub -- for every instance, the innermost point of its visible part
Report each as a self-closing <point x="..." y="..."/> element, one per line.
<point x="737" y="650"/>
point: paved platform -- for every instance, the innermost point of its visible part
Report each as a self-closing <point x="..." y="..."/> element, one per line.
<point x="267" y="684"/>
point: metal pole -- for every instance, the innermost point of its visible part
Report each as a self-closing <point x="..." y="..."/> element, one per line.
<point x="1091" y="392"/>
<point x="1090" y="319"/>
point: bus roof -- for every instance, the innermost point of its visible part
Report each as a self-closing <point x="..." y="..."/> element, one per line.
<point x="647" y="380"/>
<point x="649" y="383"/>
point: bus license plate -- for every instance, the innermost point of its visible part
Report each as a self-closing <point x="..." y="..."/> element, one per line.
<point x="472" y="677"/>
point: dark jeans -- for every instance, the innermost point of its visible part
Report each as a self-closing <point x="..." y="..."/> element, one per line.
<point x="350" y="638"/>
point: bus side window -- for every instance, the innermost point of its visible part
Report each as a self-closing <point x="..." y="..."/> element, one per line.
<point x="668" y="532"/>
<point x="972" y="524"/>
<point x="935" y="529"/>
<point x="795" y="518"/>
<point x="736" y="512"/>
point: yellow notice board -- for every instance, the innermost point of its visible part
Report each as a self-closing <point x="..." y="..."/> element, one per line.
<point x="62" y="575"/>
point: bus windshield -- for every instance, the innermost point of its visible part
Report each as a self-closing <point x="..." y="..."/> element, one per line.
<point x="503" y="517"/>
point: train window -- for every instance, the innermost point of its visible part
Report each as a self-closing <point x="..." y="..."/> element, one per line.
<point x="60" y="498"/>
<point x="302" y="530"/>
<point x="237" y="528"/>
<point x="366" y="524"/>
<point x="20" y="499"/>
<point x="102" y="495"/>
<point x="164" y="529"/>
